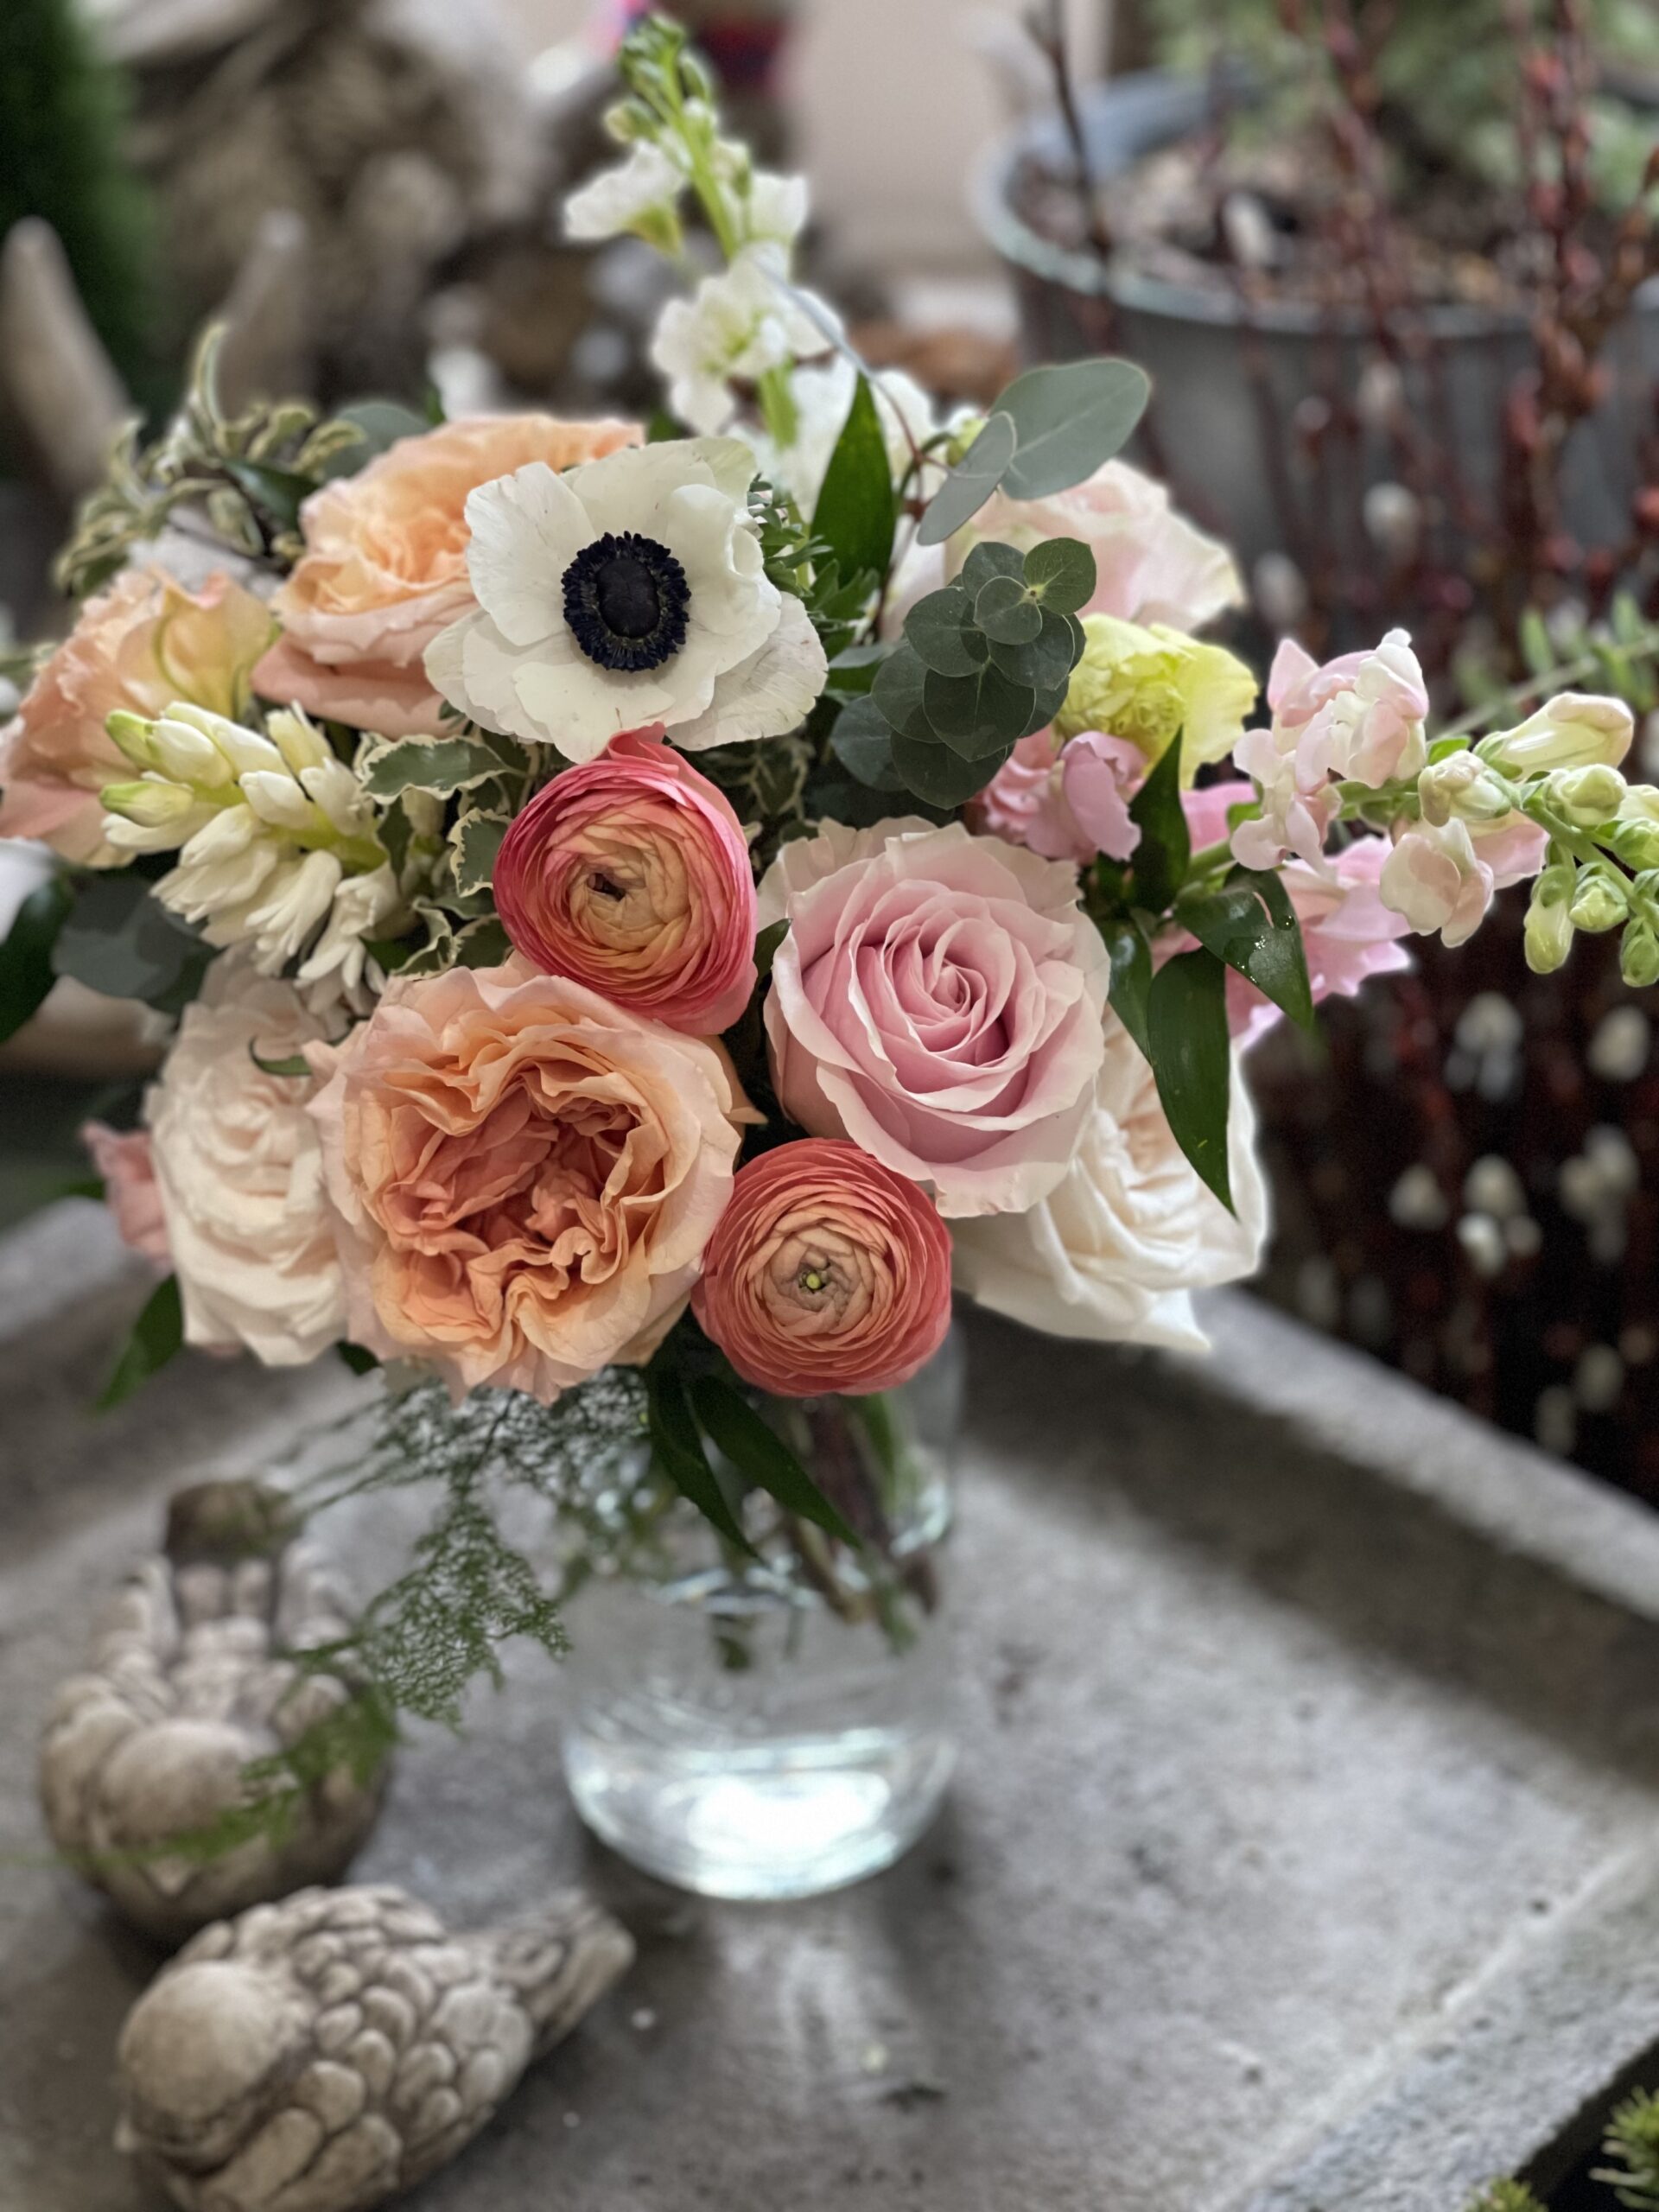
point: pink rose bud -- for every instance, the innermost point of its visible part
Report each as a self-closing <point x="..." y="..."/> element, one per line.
<point x="631" y="874"/>
<point x="827" y="1272"/>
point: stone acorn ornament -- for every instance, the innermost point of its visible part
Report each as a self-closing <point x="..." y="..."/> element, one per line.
<point x="326" y="2053"/>
<point x="189" y="1680"/>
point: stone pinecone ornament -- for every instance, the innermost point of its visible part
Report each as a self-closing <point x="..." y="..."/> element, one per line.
<point x="187" y="1683"/>
<point x="323" y="2054"/>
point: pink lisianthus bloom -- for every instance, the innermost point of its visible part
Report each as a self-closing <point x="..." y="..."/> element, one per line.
<point x="1442" y="876"/>
<point x="139" y="646"/>
<point x="1066" y="802"/>
<point x="130" y="1189"/>
<point x="385" y="567"/>
<point x="631" y="874"/>
<point x="1348" y="933"/>
<point x="827" y="1273"/>
<point x="1358" y="718"/>
<point x="938" y="999"/>
<point x="522" y="1176"/>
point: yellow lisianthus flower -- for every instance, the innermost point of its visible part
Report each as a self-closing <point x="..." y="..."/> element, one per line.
<point x="1147" y="682"/>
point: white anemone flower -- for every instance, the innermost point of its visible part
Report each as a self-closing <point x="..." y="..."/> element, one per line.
<point x="627" y="592"/>
<point x="737" y="324"/>
<point x="641" y="195"/>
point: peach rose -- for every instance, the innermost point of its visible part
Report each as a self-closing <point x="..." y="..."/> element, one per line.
<point x="140" y="646"/>
<point x="631" y="874"/>
<point x="938" y="999"/>
<point x="828" y="1272"/>
<point x="385" y="567"/>
<point x="131" y="1190"/>
<point x="523" y="1177"/>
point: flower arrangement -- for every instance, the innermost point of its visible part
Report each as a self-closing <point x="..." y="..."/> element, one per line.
<point x="667" y="906"/>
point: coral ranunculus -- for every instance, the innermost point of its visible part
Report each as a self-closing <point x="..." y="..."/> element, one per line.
<point x="385" y="567"/>
<point x="938" y="1000"/>
<point x="139" y="646"/>
<point x="631" y="874"/>
<point x="523" y="1177"/>
<point x="828" y="1272"/>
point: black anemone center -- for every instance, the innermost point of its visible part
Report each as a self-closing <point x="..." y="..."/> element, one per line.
<point x="625" y="599"/>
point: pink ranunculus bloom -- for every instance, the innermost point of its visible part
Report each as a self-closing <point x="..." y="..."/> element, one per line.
<point x="938" y="999"/>
<point x="827" y="1273"/>
<point x="522" y="1176"/>
<point x="385" y="567"/>
<point x="131" y="1190"/>
<point x="139" y="646"/>
<point x="1357" y="718"/>
<point x="631" y="874"/>
<point x="1067" y="803"/>
<point x="1443" y="876"/>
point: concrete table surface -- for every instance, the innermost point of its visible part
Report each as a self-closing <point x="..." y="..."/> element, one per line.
<point x="1300" y="1856"/>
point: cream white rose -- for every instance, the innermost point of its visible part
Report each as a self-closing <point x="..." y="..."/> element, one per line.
<point x="239" y="1170"/>
<point x="1116" y="1252"/>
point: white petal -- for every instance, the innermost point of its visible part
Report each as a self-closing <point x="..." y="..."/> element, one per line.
<point x="279" y="800"/>
<point x="769" y="693"/>
<point x="527" y="529"/>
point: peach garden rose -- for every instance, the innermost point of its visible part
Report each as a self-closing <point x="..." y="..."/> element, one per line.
<point x="138" y="646"/>
<point x="385" y="567"/>
<point x="522" y="1176"/>
<point x="827" y="1273"/>
<point x="938" y="999"/>
<point x="631" y="874"/>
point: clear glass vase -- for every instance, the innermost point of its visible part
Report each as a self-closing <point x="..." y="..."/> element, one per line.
<point x="772" y="1732"/>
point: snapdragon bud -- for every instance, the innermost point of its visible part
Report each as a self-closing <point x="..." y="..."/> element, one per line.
<point x="1638" y="956"/>
<point x="1549" y="932"/>
<point x="153" y="802"/>
<point x="1600" y="903"/>
<point x="1463" y="786"/>
<point x="1574" y="730"/>
<point x="1587" y="797"/>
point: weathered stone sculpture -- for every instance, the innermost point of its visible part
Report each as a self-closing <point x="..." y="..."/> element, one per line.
<point x="324" y="2054"/>
<point x="189" y="1682"/>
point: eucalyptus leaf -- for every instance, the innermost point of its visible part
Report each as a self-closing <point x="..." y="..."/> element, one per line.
<point x="1041" y="662"/>
<point x="978" y="714"/>
<point x="158" y="1334"/>
<point x="118" y="940"/>
<point x="989" y="560"/>
<point x="1063" y="570"/>
<point x="863" y="741"/>
<point x="898" y="690"/>
<point x="940" y="629"/>
<point x="1006" y="613"/>
<point x="970" y="483"/>
<point x="940" y="777"/>
<point x="442" y="766"/>
<point x="679" y="1446"/>
<point x="853" y="672"/>
<point x="380" y="423"/>
<point x="856" y="512"/>
<point x="1166" y="847"/>
<point x="1069" y="419"/>
<point x="756" y="1450"/>
<point x="1191" y="1057"/>
<point x="26" y="970"/>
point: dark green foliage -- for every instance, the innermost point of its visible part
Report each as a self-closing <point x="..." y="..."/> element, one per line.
<point x="855" y="515"/>
<point x="157" y="1335"/>
<point x="1632" y="2142"/>
<point x="62" y="123"/>
<point x="26" y="970"/>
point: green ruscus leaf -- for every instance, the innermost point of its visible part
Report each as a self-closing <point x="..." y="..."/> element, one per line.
<point x="1166" y="847"/>
<point x="756" y="1450"/>
<point x="678" y="1445"/>
<point x="1251" y="925"/>
<point x="856" y="512"/>
<point x="1131" y="958"/>
<point x="26" y="970"/>
<point x="1192" y="1057"/>
<point x="158" y="1334"/>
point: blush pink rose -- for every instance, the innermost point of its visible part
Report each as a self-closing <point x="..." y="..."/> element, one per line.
<point x="522" y="1176"/>
<point x="385" y="567"/>
<point x="1067" y="801"/>
<point x="631" y="874"/>
<point x="828" y="1272"/>
<point x="131" y="1190"/>
<point x="938" y="999"/>
<point x="139" y="646"/>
